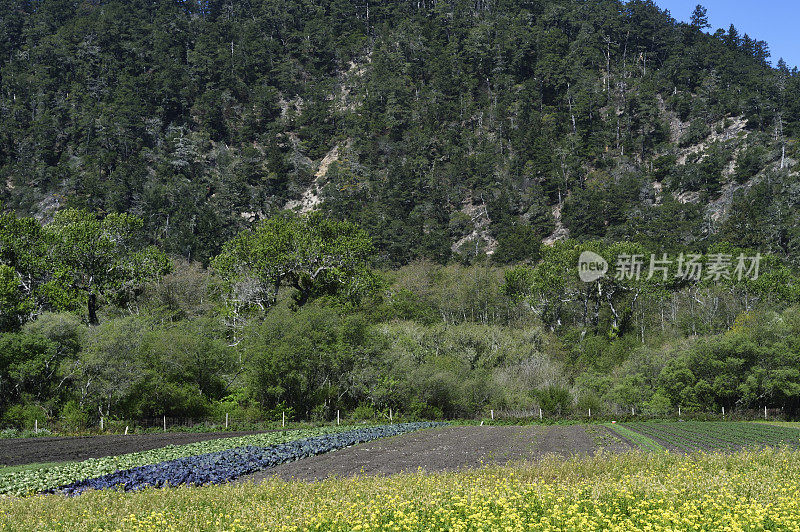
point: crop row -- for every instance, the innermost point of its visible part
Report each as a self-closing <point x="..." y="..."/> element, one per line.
<point x="31" y="481"/>
<point x="719" y="436"/>
<point x="669" y="437"/>
<point x="639" y="440"/>
<point x="744" y="434"/>
<point x="224" y="466"/>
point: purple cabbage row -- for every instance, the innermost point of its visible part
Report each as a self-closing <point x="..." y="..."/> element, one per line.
<point x="224" y="466"/>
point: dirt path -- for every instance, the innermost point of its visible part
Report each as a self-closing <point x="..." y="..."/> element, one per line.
<point x="449" y="448"/>
<point x="18" y="451"/>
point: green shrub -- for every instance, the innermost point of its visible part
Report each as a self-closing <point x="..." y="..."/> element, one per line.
<point x="24" y="416"/>
<point x="658" y="405"/>
<point x="73" y="417"/>
<point x="363" y="412"/>
<point x="278" y="412"/>
<point x="555" y="400"/>
<point x="589" y="401"/>
<point x="422" y="410"/>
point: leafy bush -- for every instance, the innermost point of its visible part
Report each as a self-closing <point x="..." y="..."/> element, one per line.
<point x="590" y="401"/>
<point x="73" y="417"/>
<point x="554" y="400"/>
<point x="363" y="412"/>
<point x="24" y="416"/>
<point x="422" y="410"/>
<point x="280" y="412"/>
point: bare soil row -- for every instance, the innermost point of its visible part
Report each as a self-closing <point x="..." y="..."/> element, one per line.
<point x="19" y="451"/>
<point x="450" y="448"/>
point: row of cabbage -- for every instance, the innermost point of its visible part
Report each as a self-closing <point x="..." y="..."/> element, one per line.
<point x="224" y="466"/>
<point x="27" y="482"/>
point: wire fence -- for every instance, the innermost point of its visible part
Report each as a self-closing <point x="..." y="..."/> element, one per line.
<point x="616" y="412"/>
<point x="233" y="423"/>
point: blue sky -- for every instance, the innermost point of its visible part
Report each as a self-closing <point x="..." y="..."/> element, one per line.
<point x="774" y="21"/>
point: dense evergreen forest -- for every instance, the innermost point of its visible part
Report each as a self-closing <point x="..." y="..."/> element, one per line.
<point x="292" y="205"/>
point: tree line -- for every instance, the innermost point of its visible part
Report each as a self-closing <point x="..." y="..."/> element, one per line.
<point x="293" y="316"/>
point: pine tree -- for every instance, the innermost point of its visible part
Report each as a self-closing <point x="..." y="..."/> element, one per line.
<point x="700" y="17"/>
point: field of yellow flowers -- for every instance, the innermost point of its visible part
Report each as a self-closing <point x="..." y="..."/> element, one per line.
<point x="749" y="490"/>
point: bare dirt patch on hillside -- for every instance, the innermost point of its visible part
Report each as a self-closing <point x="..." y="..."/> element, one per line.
<point x="450" y="448"/>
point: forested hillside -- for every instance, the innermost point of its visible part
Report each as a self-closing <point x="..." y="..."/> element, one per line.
<point x="447" y="129"/>
<point x="295" y="205"/>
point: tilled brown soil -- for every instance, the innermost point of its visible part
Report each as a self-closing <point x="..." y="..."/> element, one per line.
<point x="18" y="451"/>
<point x="449" y="448"/>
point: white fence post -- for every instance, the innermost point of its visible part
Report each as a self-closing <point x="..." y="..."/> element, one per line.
<point x="492" y="411"/>
<point x="540" y="413"/>
<point x="126" y="430"/>
<point x="101" y="423"/>
<point x="165" y="423"/>
<point x="590" y="412"/>
<point x="337" y="417"/>
<point x="723" y="412"/>
<point x="679" y="410"/>
<point x="765" y="411"/>
<point x="226" y="420"/>
<point x="390" y="415"/>
<point x="283" y="419"/>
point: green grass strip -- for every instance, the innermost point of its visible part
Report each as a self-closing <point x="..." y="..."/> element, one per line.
<point x="640" y="440"/>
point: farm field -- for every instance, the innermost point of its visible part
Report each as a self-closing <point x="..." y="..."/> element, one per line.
<point x="458" y="447"/>
<point x="746" y="490"/>
<point x="19" y="451"/>
<point x="438" y="449"/>
<point x="693" y="436"/>
<point x="398" y="477"/>
<point x="791" y="424"/>
<point x="214" y="461"/>
<point x="451" y="448"/>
